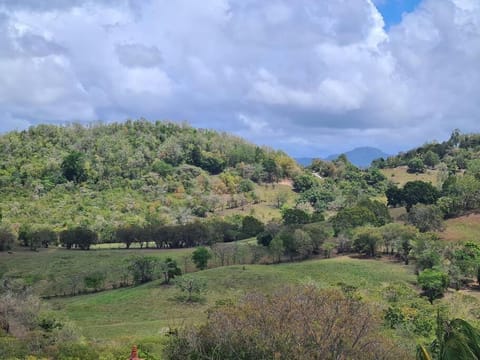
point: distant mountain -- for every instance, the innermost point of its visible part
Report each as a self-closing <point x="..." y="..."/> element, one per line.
<point x="362" y="156"/>
<point x="304" y="161"/>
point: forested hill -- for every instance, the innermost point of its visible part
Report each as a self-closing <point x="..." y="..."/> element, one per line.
<point x="454" y="154"/>
<point x="127" y="172"/>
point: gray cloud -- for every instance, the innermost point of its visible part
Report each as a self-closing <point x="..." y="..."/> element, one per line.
<point x="138" y="55"/>
<point x="312" y="77"/>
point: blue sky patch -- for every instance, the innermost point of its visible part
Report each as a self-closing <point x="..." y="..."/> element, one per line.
<point x="392" y="10"/>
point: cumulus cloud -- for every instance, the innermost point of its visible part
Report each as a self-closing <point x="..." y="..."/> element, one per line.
<point x="311" y="77"/>
<point x="138" y="55"/>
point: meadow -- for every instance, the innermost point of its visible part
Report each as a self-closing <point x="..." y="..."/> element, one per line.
<point x="130" y="314"/>
<point x="400" y="176"/>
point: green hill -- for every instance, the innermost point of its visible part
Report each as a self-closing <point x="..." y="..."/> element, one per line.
<point x="108" y="175"/>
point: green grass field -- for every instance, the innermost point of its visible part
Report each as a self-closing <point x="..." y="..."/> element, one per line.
<point x="51" y="271"/>
<point x="130" y="314"/>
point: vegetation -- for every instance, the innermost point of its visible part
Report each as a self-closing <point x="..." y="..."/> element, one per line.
<point x="294" y="323"/>
<point x="114" y="214"/>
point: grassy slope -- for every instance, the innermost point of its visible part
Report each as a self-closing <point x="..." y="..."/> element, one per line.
<point x="400" y="176"/>
<point x="144" y="311"/>
<point x="266" y="209"/>
<point x="464" y="228"/>
<point x="57" y="266"/>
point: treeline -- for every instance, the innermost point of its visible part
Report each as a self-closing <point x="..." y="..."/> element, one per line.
<point x="164" y="236"/>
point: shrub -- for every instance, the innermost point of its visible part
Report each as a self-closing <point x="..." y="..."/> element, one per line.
<point x="295" y="323"/>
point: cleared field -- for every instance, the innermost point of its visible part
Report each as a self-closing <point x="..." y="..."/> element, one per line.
<point x="400" y="176"/>
<point x="465" y="228"/>
<point x="135" y="313"/>
<point x="53" y="271"/>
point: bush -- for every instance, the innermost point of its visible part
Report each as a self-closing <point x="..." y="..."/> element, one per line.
<point x="200" y="257"/>
<point x="434" y="282"/>
<point x="295" y="323"/>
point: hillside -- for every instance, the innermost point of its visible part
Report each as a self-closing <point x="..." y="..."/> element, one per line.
<point x="108" y="175"/>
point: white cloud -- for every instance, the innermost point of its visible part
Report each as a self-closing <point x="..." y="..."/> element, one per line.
<point x="310" y="76"/>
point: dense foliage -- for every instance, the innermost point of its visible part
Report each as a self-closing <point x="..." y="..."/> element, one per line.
<point x="107" y="176"/>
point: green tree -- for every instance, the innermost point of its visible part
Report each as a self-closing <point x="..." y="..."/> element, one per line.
<point x="350" y="218"/>
<point x="251" y="226"/>
<point x="200" y="257"/>
<point x="367" y="240"/>
<point x="73" y="167"/>
<point x="415" y="192"/>
<point x="303" y="243"/>
<point x="276" y="248"/>
<point x="169" y="270"/>
<point x="416" y="165"/>
<point x="426" y="217"/>
<point x="431" y="159"/>
<point x="142" y="268"/>
<point x="295" y="216"/>
<point x="434" y="282"/>
<point x="7" y="237"/>
<point x="394" y="196"/>
<point x="303" y="182"/>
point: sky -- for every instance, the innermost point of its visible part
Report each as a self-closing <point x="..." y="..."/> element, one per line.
<point x="311" y="77"/>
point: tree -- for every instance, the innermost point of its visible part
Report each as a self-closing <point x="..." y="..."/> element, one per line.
<point x="295" y="216"/>
<point x="319" y="233"/>
<point x="367" y="240"/>
<point x="394" y="196"/>
<point x="169" y="270"/>
<point x="191" y="285"/>
<point x="302" y="243"/>
<point x="276" y="248"/>
<point x="415" y="192"/>
<point x="73" y="167"/>
<point x="7" y="238"/>
<point x="416" y="165"/>
<point x="79" y="236"/>
<point x="41" y="237"/>
<point x="378" y="209"/>
<point x="434" y="282"/>
<point x="431" y="159"/>
<point x="264" y="238"/>
<point x="271" y="170"/>
<point x="426" y="217"/>
<point x="142" y="268"/>
<point x="350" y="218"/>
<point x="251" y="226"/>
<point x="200" y="257"/>
<point x="303" y="182"/>
<point x="399" y="238"/>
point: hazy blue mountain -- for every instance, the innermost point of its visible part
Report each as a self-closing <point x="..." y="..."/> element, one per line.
<point x="304" y="161"/>
<point x="362" y="156"/>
